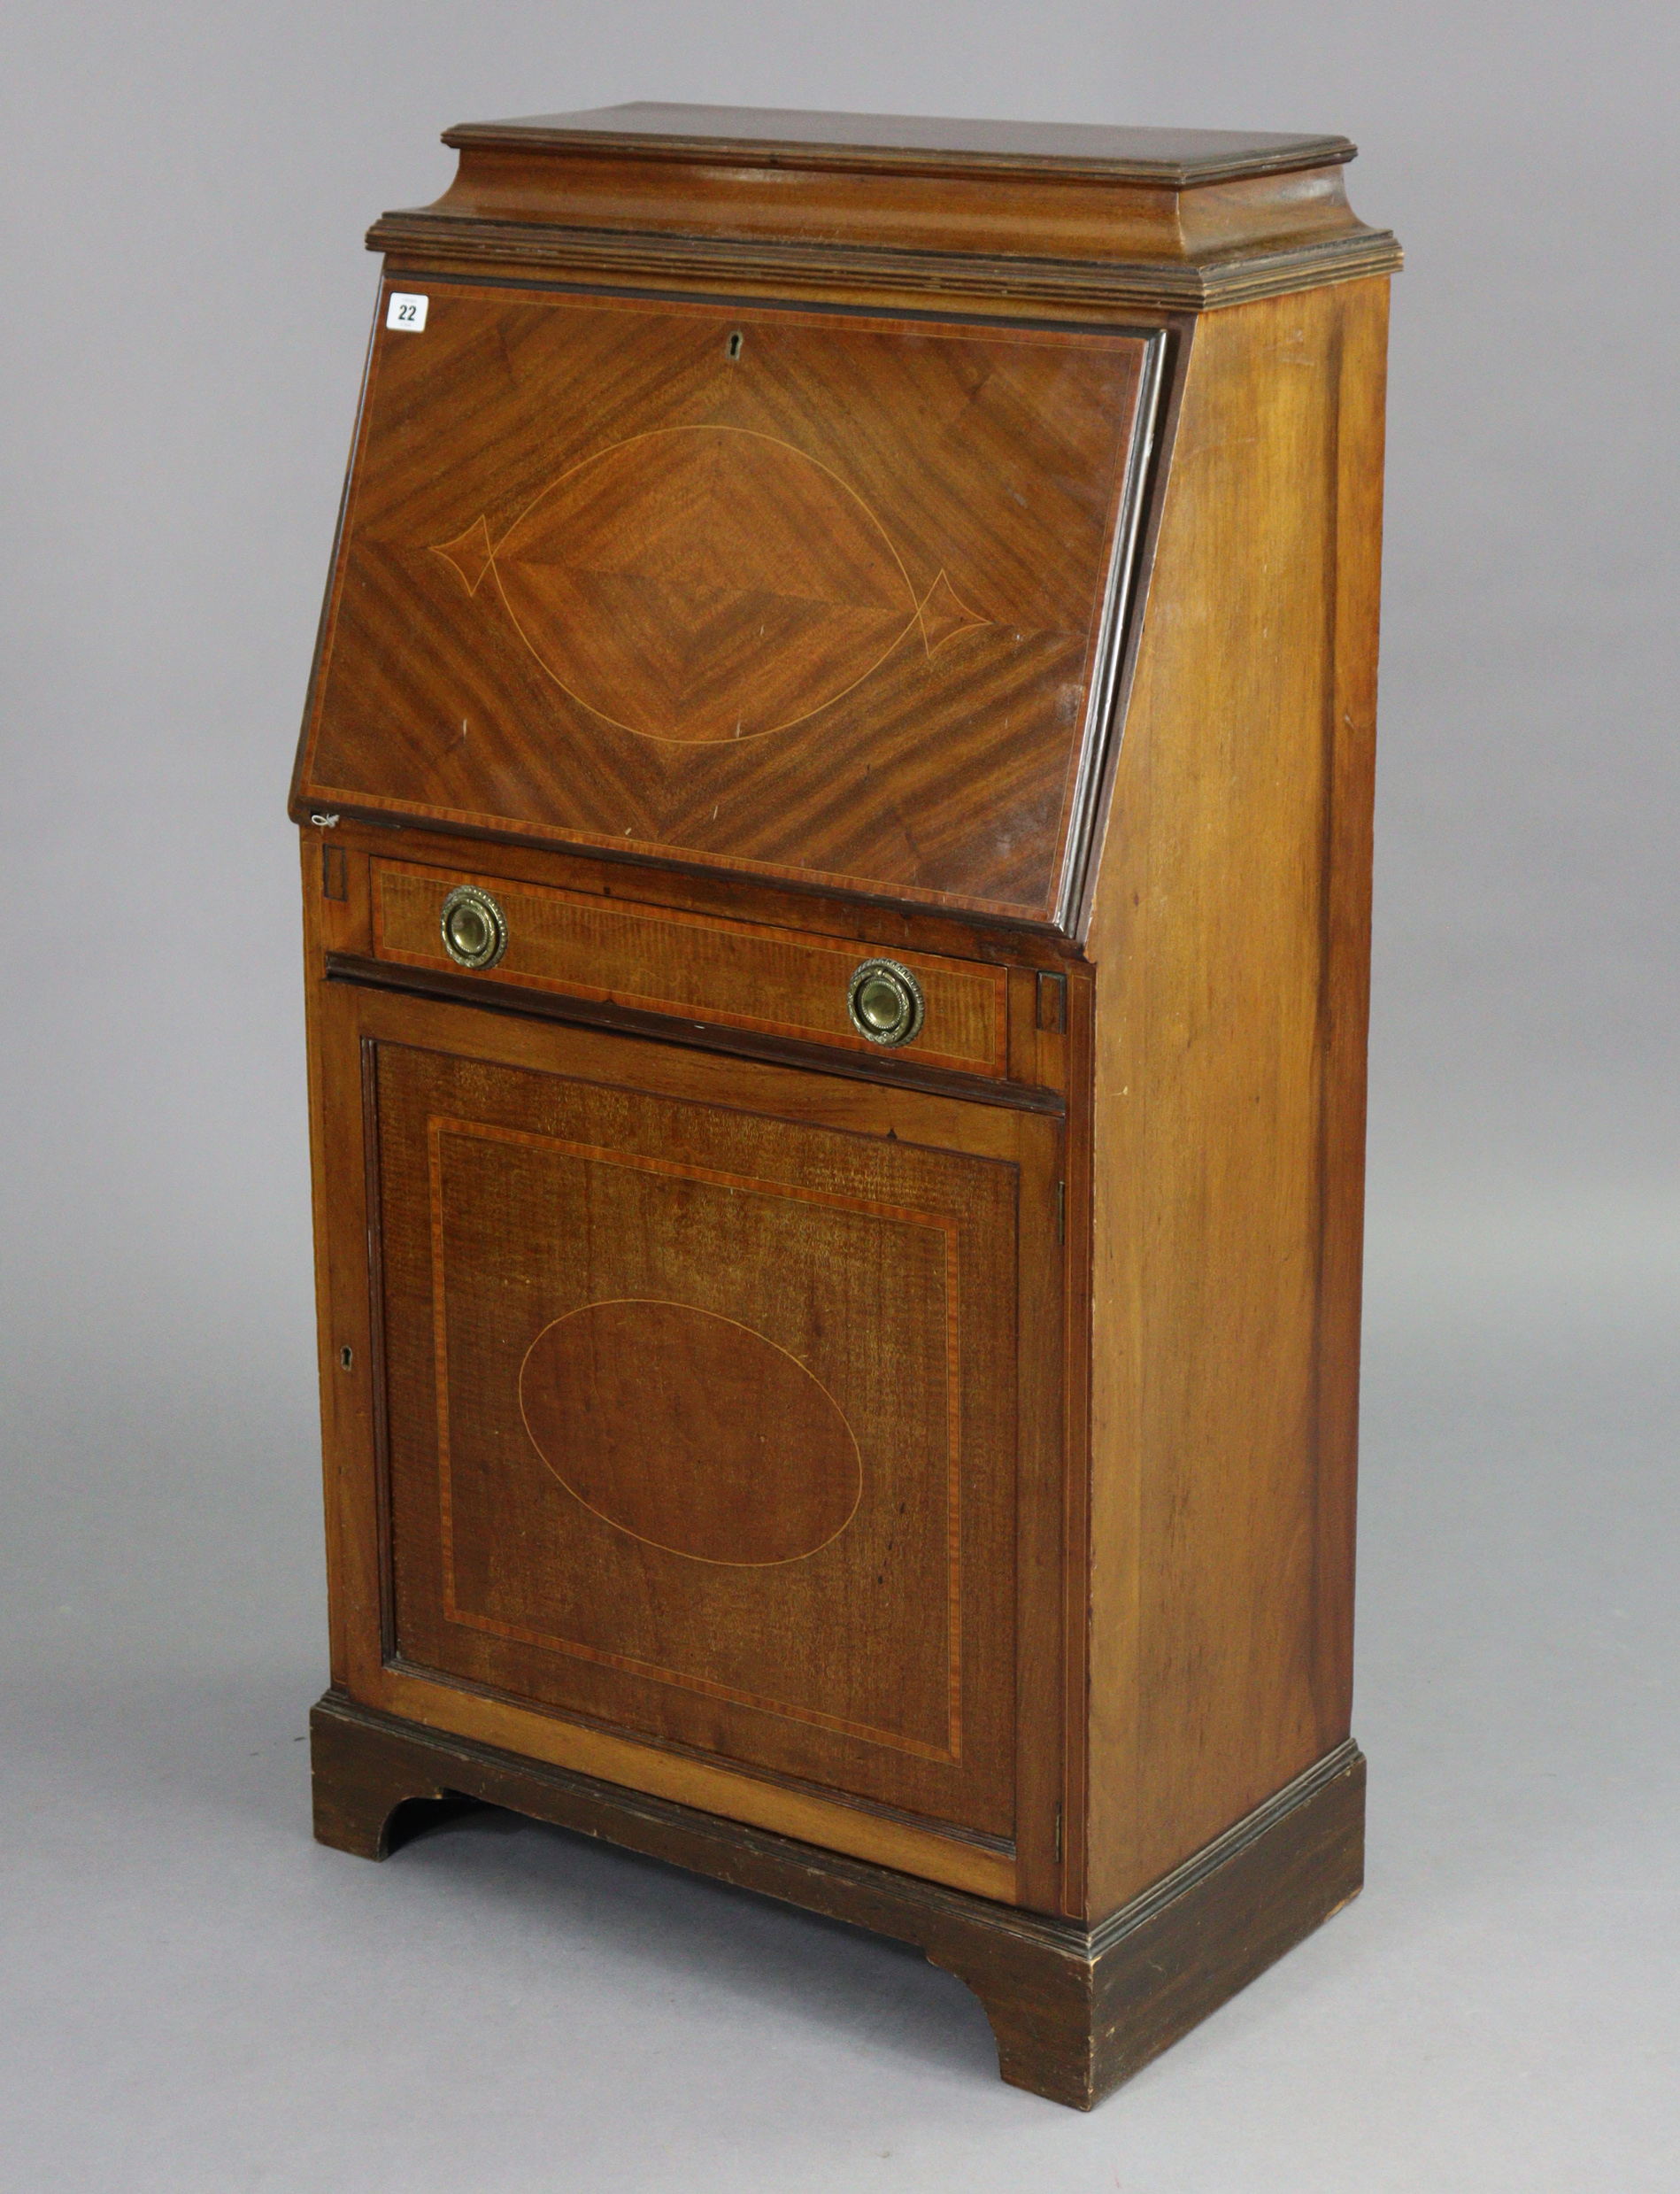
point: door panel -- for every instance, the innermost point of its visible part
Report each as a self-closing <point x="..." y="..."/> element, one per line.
<point x="701" y="1393"/>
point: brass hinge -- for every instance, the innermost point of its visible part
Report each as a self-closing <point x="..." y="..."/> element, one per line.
<point x="1061" y="1211"/>
<point x="1058" y="1835"/>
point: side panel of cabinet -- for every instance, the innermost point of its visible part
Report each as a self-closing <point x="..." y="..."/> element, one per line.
<point x="1231" y="934"/>
<point x="701" y="1425"/>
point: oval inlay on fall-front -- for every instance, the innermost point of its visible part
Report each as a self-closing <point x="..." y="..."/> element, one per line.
<point x="691" y="1432"/>
<point x="703" y="583"/>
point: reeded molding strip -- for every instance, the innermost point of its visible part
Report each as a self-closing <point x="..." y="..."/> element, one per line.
<point x="423" y="239"/>
<point x="1224" y="1848"/>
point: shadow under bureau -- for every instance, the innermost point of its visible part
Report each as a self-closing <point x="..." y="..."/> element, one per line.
<point x="836" y="806"/>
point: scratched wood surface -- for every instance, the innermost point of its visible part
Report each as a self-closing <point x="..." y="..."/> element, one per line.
<point x="804" y="596"/>
<point x="704" y="1423"/>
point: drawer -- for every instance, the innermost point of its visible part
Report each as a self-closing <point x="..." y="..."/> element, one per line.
<point x="743" y="975"/>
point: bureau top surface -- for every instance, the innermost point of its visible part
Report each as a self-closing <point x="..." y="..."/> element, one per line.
<point x="778" y="199"/>
<point x="910" y="144"/>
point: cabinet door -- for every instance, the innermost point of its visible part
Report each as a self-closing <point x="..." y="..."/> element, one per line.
<point x="703" y="1387"/>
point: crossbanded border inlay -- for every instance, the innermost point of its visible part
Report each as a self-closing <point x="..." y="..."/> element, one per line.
<point x="720" y="931"/>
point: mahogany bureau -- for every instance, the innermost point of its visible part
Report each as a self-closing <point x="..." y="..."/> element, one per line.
<point x="836" y="805"/>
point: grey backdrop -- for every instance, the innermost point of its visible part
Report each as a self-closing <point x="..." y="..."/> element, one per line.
<point x="194" y="1996"/>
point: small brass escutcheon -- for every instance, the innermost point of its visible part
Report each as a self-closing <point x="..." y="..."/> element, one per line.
<point x="475" y="928"/>
<point x="884" y="1000"/>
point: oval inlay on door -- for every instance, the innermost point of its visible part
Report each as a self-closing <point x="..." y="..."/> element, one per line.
<point x="691" y="1432"/>
<point x="706" y="583"/>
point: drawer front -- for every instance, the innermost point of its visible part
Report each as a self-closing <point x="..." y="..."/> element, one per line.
<point x="736" y="974"/>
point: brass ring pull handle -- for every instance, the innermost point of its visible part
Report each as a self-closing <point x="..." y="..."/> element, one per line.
<point x="884" y="1000"/>
<point x="473" y="927"/>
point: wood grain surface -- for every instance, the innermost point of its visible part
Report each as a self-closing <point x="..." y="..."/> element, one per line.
<point x="919" y="1483"/>
<point x="827" y="598"/>
<point x="738" y="974"/>
<point x="919" y="210"/>
<point x="691" y="1433"/>
<point x="791" y="140"/>
<point x="608" y="880"/>
<point x="1230" y="934"/>
<point x="866" y="1240"/>
<point x="1074" y="2010"/>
